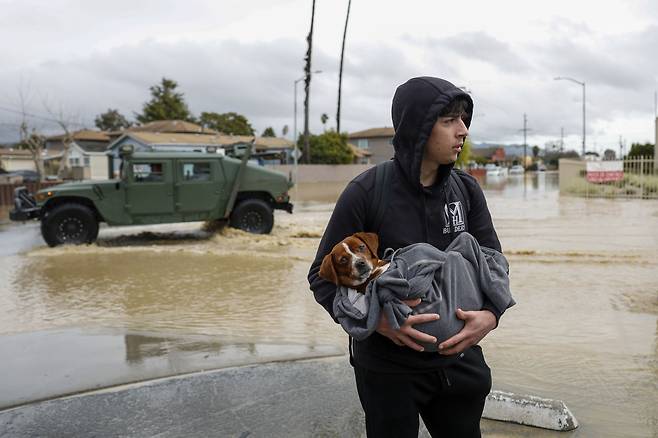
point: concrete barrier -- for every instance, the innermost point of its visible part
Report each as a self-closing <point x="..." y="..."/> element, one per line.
<point x="302" y="398"/>
<point x="529" y="410"/>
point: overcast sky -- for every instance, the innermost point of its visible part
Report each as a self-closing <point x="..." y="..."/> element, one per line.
<point x="81" y="57"/>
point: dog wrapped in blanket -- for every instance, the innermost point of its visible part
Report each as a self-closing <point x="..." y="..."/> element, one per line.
<point x="462" y="276"/>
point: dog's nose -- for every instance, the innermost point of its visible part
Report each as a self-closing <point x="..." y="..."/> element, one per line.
<point x="361" y="266"/>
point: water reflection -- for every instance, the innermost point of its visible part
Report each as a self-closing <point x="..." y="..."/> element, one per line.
<point x="42" y="365"/>
<point x="528" y="184"/>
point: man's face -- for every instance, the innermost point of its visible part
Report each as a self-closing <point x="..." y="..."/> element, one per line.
<point x="446" y="140"/>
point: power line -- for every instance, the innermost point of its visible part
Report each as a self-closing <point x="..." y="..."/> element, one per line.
<point x="36" y="116"/>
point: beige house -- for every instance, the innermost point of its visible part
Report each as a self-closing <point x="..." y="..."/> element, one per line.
<point x="16" y="159"/>
<point x="376" y="141"/>
<point x="87" y="156"/>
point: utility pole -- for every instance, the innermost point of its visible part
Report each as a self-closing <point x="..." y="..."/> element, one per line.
<point x="525" y="143"/>
<point x="655" y="138"/>
<point x="562" y="139"/>
<point x="621" y="152"/>
<point x="307" y="85"/>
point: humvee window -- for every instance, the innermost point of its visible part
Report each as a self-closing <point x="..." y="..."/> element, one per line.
<point x="148" y="172"/>
<point x="196" y="171"/>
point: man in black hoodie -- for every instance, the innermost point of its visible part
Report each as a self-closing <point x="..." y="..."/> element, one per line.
<point x="396" y="380"/>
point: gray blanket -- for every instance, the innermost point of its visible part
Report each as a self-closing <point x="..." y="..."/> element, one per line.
<point x="459" y="277"/>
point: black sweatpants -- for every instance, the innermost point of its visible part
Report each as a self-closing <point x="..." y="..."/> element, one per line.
<point x="450" y="400"/>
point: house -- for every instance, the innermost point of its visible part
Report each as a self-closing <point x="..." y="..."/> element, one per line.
<point x="376" y="141"/>
<point x="170" y="126"/>
<point x="12" y="159"/>
<point x="87" y="156"/>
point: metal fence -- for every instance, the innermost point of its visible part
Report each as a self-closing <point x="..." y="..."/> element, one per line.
<point x="635" y="177"/>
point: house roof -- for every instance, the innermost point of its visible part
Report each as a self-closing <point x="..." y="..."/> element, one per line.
<point x="358" y="152"/>
<point x="84" y="134"/>
<point x="92" y="146"/>
<point x="373" y="133"/>
<point x="161" y="138"/>
<point x="171" y="126"/>
<point x="12" y="153"/>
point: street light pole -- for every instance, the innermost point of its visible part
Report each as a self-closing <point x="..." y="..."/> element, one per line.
<point x="559" y="78"/>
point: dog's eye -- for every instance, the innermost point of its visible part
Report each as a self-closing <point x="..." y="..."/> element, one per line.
<point x="342" y="260"/>
<point x="362" y="247"/>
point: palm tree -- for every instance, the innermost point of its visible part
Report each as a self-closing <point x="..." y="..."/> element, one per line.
<point x="323" y="118"/>
<point x="340" y="72"/>
<point x="307" y="84"/>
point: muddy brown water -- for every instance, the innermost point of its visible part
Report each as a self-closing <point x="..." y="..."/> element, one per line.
<point x="583" y="271"/>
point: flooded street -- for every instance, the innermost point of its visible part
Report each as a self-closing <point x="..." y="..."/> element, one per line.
<point x="584" y="273"/>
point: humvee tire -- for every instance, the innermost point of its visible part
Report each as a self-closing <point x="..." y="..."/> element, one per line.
<point x="253" y="215"/>
<point x="69" y="223"/>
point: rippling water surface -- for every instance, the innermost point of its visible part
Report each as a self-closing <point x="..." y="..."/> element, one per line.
<point x="584" y="274"/>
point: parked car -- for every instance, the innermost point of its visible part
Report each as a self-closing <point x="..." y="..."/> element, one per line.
<point x="517" y="169"/>
<point x="28" y="175"/>
<point x="495" y="170"/>
<point x="159" y="187"/>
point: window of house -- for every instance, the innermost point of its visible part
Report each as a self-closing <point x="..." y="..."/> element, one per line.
<point x="74" y="161"/>
<point x="148" y="172"/>
<point x="196" y="171"/>
<point x="87" y="162"/>
<point x="362" y="143"/>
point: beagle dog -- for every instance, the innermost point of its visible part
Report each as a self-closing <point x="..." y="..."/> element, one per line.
<point x="353" y="262"/>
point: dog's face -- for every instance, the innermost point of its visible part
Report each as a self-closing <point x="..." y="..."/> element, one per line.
<point x="351" y="261"/>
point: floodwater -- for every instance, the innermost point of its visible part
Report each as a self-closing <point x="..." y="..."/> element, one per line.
<point x="584" y="273"/>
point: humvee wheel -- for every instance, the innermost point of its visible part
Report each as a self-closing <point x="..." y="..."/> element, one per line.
<point x="69" y="224"/>
<point x="253" y="215"/>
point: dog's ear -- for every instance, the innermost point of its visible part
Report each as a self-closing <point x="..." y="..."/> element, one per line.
<point x="327" y="270"/>
<point x="371" y="240"/>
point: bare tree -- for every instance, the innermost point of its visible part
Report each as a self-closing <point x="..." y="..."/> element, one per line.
<point x="307" y="84"/>
<point x="30" y="139"/>
<point x="340" y="72"/>
<point x="64" y="121"/>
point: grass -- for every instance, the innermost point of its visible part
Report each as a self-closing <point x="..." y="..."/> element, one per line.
<point x="632" y="186"/>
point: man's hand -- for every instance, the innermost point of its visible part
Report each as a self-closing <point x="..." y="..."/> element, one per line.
<point x="478" y="324"/>
<point x="407" y="334"/>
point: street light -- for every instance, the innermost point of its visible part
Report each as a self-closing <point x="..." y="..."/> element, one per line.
<point x="560" y="78"/>
<point x="294" y="155"/>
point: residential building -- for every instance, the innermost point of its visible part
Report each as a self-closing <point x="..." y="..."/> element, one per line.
<point x="87" y="156"/>
<point x="376" y="141"/>
<point x="12" y="159"/>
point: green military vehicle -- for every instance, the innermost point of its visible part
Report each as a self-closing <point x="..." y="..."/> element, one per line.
<point x="159" y="187"/>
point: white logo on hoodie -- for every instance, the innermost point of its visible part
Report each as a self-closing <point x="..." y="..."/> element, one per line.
<point x="453" y="216"/>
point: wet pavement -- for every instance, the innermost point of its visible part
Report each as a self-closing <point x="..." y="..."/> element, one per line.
<point x="75" y="361"/>
<point x="583" y="272"/>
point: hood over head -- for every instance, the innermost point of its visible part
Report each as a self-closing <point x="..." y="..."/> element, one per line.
<point x="416" y="106"/>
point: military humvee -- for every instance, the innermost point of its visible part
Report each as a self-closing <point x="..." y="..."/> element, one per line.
<point x="159" y="187"/>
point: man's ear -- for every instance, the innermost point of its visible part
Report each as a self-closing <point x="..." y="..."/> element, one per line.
<point x="371" y="240"/>
<point x="327" y="270"/>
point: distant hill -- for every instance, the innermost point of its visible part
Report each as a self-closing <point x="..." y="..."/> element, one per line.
<point x="510" y="149"/>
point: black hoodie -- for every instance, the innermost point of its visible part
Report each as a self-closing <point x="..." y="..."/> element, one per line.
<point x="414" y="213"/>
